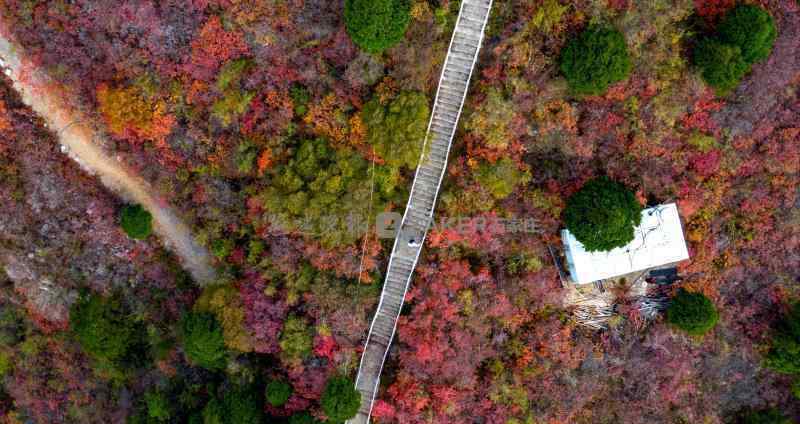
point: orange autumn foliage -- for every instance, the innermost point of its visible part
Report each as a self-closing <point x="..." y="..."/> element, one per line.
<point x="221" y="151"/>
<point x="386" y="90"/>
<point x="707" y="285"/>
<point x="130" y="115"/>
<point x="329" y="119"/>
<point x="197" y="90"/>
<point x="557" y="115"/>
<point x="6" y="128"/>
<point x="525" y="357"/>
<point x="358" y="132"/>
<point x="249" y="12"/>
<point x="265" y="160"/>
<point x="5" y="124"/>
<point x="370" y="250"/>
<point x="326" y="119"/>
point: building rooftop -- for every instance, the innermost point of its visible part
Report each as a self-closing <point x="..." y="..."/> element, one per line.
<point x="658" y="241"/>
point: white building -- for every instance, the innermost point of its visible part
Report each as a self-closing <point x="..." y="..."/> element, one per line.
<point x="658" y="241"/>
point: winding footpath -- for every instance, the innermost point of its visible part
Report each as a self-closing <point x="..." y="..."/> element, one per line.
<point x="39" y="93"/>
<point x="450" y="95"/>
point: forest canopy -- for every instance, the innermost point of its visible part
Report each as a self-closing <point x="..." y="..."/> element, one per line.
<point x="103" y="328"/>
<point x="396" y="130"/>
<point x="340" y="400"/>
<point x="325" y="192"/>
<point x="278" y="392"/>
<point x="275" y="132"/>
<point x="203" y="341"/>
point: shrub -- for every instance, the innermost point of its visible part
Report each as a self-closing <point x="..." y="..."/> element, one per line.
<point x="523" y="262"/>
<point x="595" y="59"/>
<point x="296" y="339"/>
<point x="136" y="221"/>
<point x="603" y="214"/>
<point x="278" y="392"/>
<point x="397" y="130"/>
<point x="721" y="65"/>
<point x="231" y="73"/>
<point x="501" y="177"/>
<point x="242" y="405"/>
<point x="376" y="25"/>
<point x="765" y="416"/>
<point x="303" y="418"/>
<point x="340" y="400"/>
<point x="225" y="303"/>
<point x="10" y="327"/>
<point x="158" y="406"/>
<point x="300" y="98"/>
<point x="6" y="363"/>
<point x="549" y="14"/>
<point x="784" y="352"/>
<point x="203" y="340"/>
<point x="237" y="405"/>
<point x="213" y="412"/>
<point x="750" y="28"/>
<point x="235" y="101"/>
<point x="222" y="248"/>
<point x="299" y="282"/>
<point x="245" y="157"/>
<point x="692" y="312"/>
<point x="702" y="142"/>
<point x="492" y="120"/>
<point x="102" y="327"/>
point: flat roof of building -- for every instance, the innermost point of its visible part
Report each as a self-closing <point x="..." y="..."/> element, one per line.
<point x="658" y="241"/>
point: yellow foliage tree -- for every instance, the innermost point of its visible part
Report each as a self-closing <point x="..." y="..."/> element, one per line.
<point x="225" y="303"/>
<point x="328" y="119"/>
<point x="130" y="113"/>
<point x="492" y="120"/>
<point x="548" y="15"/>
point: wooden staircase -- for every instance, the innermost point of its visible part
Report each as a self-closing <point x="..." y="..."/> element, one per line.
<point x="450" y="95"/>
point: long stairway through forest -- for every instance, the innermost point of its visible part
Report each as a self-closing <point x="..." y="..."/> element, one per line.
<point x="462" y="54"/>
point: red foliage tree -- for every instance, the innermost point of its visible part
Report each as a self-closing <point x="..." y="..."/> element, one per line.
<point x="213" y="46"/>
<point x="264" y="314"/>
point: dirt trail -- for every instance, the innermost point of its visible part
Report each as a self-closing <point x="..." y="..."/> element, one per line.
<point x="37" y="91"/>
